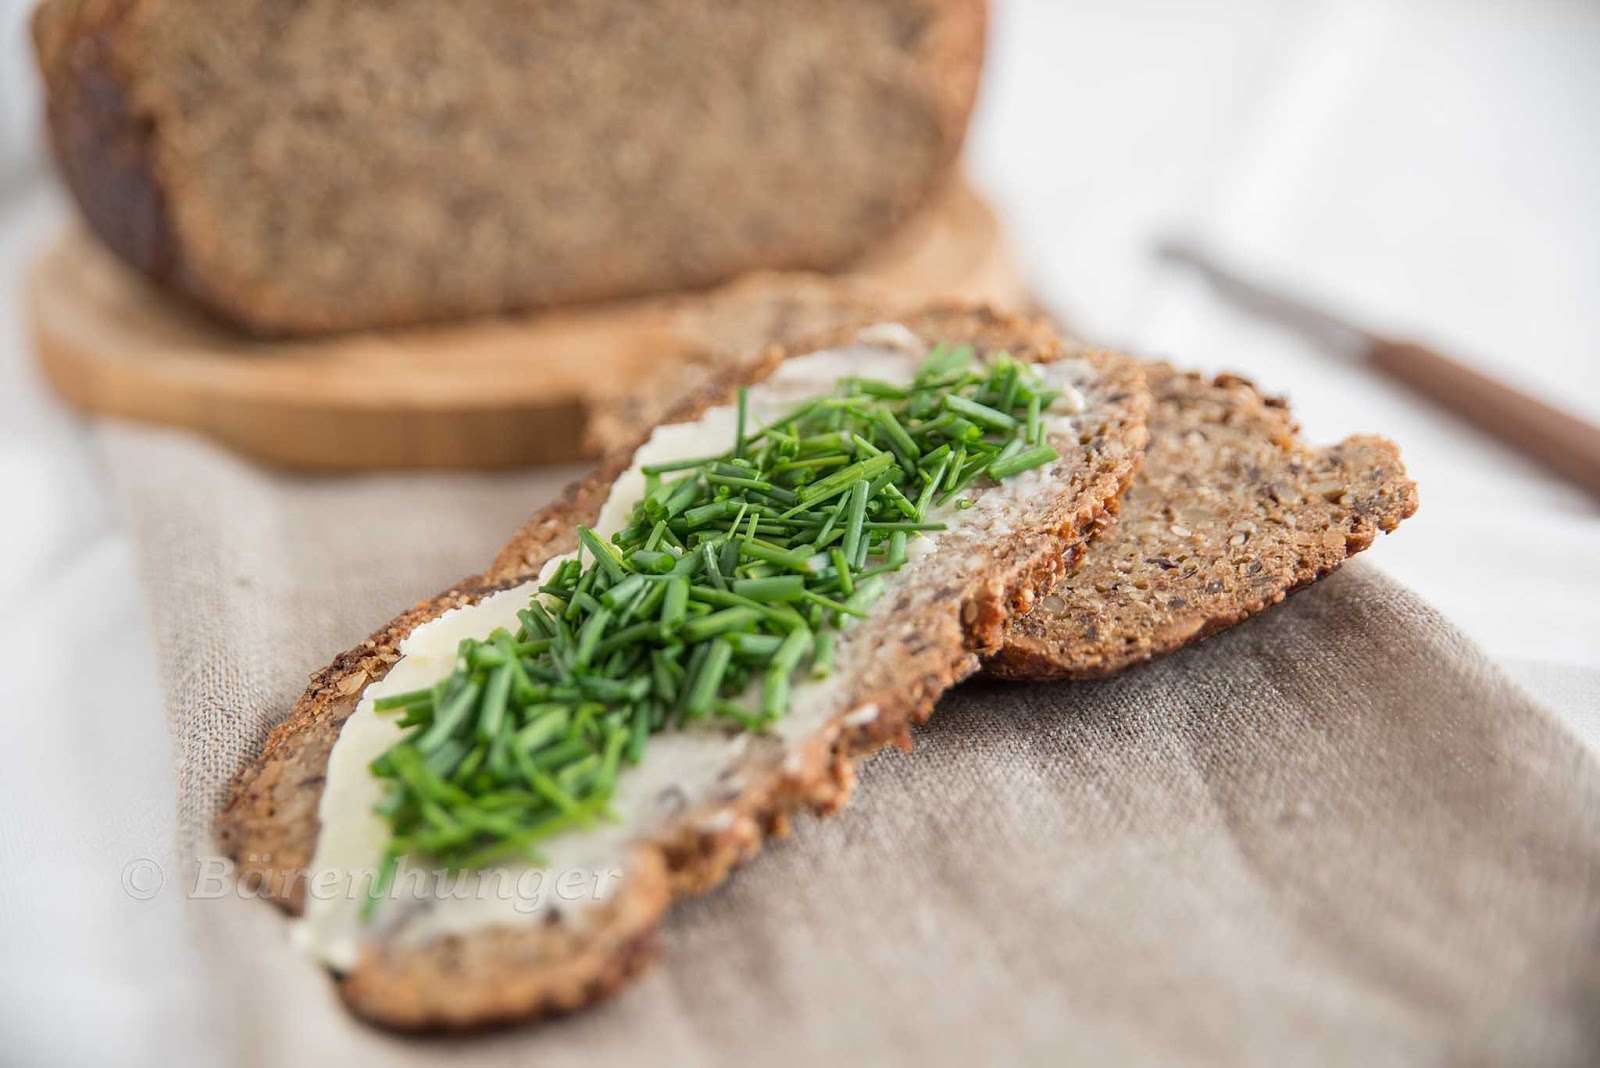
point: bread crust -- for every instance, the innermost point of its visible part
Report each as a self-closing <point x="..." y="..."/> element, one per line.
<point x="269" y="825"/>
<point x="109" y="125"/>
<point x="103" y="146"/>
<point x="1230" y="514"/>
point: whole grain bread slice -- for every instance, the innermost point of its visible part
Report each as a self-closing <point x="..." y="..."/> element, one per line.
<point x="1229" y="514"/>
<point x="929" y="633"/>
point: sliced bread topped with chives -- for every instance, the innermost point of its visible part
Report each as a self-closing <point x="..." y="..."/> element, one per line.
<point x="481" y="813"/>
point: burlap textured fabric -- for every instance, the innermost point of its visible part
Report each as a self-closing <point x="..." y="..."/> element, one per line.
<point x="1334" y="835"/>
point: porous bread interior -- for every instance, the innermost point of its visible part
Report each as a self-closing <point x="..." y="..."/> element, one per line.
<point x="328" y="164"/>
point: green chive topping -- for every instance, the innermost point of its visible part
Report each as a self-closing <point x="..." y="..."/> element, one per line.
<point x="730" y="579"/>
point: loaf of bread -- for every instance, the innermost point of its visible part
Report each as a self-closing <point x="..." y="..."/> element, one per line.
<point x="339" y="164"/>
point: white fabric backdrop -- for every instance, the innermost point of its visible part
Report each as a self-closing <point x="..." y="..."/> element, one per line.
<point x="1431" y="164"/>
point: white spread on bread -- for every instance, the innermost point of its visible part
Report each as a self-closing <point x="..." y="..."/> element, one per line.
<point x="680" y="771"/>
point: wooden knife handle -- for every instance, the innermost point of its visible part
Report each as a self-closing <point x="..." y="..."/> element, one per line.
<point x="1559" y="440"/>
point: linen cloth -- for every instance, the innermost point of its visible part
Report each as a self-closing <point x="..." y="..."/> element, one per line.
<point x="1335" y="834"/>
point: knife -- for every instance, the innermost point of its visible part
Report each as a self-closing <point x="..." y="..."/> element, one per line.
<point x="1558" y="440"/>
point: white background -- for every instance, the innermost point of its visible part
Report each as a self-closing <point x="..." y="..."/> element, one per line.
<point x="1430" y="167"/>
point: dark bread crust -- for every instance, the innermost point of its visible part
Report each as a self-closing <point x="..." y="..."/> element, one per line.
<point x="1230" y="514"/>
<point x="119" y="115"/>
<point x="103" y="146"/>
<point x="269" y="824"/>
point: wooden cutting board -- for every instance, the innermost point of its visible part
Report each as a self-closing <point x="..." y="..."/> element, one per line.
<point x="495" y="392"/>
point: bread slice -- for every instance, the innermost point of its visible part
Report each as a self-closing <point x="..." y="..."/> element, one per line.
<point x="936" y="619"/>
<point x="333" y="164"/>
<point x="1230" y="514"/>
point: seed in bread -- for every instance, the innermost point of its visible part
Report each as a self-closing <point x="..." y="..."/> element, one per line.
<point x="337" y="164"/>
<point x="1230" y="514"/>
<point x="938" y="614"/>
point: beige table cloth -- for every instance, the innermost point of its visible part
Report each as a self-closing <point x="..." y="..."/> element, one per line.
<point x="1334" y="835"/>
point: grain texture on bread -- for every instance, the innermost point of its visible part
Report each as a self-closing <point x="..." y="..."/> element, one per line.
<point x="927" y="634"/>
<point x="335" y="164"/>
<point x="1229" y="514"/>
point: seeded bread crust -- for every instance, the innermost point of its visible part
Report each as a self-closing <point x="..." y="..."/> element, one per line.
<point x="1230" y="514"/>
<point x="269" y="825"/>
<point x="341" y="164"/>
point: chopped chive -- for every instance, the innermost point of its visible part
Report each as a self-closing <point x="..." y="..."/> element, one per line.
<point x="775" y="691"/>
<point x="898" y="438"/>
<point x="738" y="437"/>
<point x="402" y="700"/>
<point x="739" y="715"/>
<point x="797" y="645"/>
<point x="559" y="755"/>
<point x="899" y="500"/>
<point x="894" y="525"/>
<point x="955" y="468"/>
<point x="607" y="777"/>
<point x="536" y="621"/>
<point x="589" y="637"/>
<point x="451" y="716"/>
<point x="679" y="465"/>
<point x="842" y="565"/>
<point x="709" y="678"/>
<point x="541" y="732"/>
<point x="761" y="550"/>
<point x="624" y="591"/>
<point x="837" y="460"/>
<point x="621" y="639"/>
<point x="778" y="588"/>
<point x="760" y="647"/>
<point x="1026" y="460"/>
<point x="674" y="606"/>
<point x="870" y="468"/>
<point x="605" y="555"/>
<point x="855" y="520"/>
<point x="638" y="734"/>
<point x="822" y="660"/>
<point x="649" y="561"/>
<point x="495" y="698"/>
<point x="741" y="482"/>
<point x="925" y="498"/>
<point x="729" y="619"/>
<point x="980" y="414"/>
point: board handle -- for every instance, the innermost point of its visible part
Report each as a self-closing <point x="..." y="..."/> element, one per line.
<point x="1559" y="440"/>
